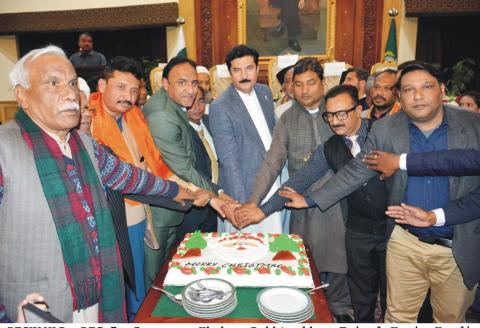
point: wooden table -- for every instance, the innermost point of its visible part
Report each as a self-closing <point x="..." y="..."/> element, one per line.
<point x="144" y="315"/>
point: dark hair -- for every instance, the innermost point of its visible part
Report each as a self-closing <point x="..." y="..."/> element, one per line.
<point x="341" y="89"/>
<point x="122" y="64"/>
<point x="174" y="62"/>
<point x="475" y="95"/>
<point x="308" y="64"/>
<point x="409" y="62"/>
<point x="85" y="33"/>
<point x="419" y="66"/>
<point x="387" y="71"/>
<point x="240" y="51"/>
<point x="362" y="74"/>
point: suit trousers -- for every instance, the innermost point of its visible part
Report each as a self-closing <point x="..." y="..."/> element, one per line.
<point x="366" y="273"/>
<point x="155" y="258"/>
<point x="412" y="268"/>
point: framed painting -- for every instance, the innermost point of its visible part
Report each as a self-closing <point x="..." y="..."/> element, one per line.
<point x="282" y="27"/>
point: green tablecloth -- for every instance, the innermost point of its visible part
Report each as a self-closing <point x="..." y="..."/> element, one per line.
<point x="246" y="308"/>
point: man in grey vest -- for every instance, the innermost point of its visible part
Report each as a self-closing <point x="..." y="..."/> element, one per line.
<point x="56" y="232"/>
<point x="298" y="132"/>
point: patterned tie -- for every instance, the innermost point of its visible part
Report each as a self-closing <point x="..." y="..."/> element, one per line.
<point x="355" y="149"/>
<point x="211" y="155"/>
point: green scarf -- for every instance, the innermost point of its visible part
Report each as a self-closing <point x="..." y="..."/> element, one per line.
<point x="88" y="242"/>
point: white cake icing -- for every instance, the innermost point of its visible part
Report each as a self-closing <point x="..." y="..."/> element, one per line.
<point x="243" y="259"/>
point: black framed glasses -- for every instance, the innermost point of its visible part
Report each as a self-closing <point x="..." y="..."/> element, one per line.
<point x="340" y="115"/>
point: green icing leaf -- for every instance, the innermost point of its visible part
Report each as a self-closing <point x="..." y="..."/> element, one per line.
<point x="196" y="241"/>
<point x="283" y="243"/>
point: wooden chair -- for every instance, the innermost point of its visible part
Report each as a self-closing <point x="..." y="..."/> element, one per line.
<point x="219" y="84"/>
<point x="156" y="77"/>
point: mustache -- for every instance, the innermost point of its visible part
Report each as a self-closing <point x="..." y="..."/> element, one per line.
<point x="128" y="102"/>
<point x="69" y="105"/>
<point x="379" y="97"/>
<point x="245" y="81"/>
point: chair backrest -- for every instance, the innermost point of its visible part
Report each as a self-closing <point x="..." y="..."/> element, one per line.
<point x="379" y="67"/>
<point x="219" y="83"/>
<point x="156" y="77"/>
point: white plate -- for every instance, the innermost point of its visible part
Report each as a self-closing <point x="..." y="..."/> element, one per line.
<point x="210" y="283"/>
<point x="284" y="300"/>
<point x="288" y="319"/>
<point x="212" y="315"/>
<point x="209" y="310"/>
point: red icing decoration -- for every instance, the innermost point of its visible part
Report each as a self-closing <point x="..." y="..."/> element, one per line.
<point x="284" y="256"/>
<point x="194" y="252"/>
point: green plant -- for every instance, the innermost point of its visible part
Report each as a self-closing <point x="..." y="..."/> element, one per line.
<point x="460" y="74"/>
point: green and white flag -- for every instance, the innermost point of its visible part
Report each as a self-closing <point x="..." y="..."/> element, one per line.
<point x="391" y="53"/>
<point x="179" y="49"/>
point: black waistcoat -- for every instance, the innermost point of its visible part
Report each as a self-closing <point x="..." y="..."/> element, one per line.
<point x="366" y="205"/>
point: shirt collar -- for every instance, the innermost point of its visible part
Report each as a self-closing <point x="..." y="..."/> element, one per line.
<point x="362" y="132"/>
<point x="312" y="111"/>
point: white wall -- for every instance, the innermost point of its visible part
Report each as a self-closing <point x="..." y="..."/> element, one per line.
<point x="8" y="58"/>
<point x="20" y="6"/>
<point x="407" y="43"/>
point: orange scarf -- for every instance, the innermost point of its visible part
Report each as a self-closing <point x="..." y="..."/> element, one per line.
<point x="106" y="131"/>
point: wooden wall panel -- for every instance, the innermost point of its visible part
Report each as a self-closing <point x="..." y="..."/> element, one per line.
<point x="372" y="33"/>
<point x="224" y="26"/>
<point x="345" y="31"/>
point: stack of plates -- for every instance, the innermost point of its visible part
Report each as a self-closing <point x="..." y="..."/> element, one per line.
<point x="209" y="298"/>
<point x="285" y="304"/>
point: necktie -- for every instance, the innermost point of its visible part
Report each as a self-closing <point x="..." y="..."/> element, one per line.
<point x="211" y="155"/>
<point x="355" y="149"/>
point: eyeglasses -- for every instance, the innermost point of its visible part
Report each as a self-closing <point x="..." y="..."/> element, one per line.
<point x="342" y="115"/>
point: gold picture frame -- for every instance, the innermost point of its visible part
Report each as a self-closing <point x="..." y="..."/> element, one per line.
<point x="329" y="37"/>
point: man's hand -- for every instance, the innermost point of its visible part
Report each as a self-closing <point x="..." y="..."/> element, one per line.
<point x="34" y="298"/>
<point x="415" y="216"/>
<point x="200" y="197"/>
<point x="228" y="209"/>
<point x="301" y="4"/>
<point x="383" y="162"/>
<point x="224" y="196"/>
<point x="296" y="200"/>
<point x="248" y="214"/>
<point x="183" y="195"/>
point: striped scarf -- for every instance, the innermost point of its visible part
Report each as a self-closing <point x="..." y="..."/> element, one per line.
<point x="94" y="275"/>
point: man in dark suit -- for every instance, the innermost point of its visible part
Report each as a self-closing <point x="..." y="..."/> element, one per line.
<point x="204" y="219"/>
<point x="442" y="258"/>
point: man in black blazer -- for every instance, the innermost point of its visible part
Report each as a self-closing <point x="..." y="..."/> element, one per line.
<point x="203" y="219"/>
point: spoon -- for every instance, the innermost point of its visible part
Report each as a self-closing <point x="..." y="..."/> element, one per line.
<point x="319" y="287"/>
<point x="175" y="298"/>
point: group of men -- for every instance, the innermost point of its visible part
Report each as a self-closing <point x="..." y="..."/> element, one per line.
<point x="68" y="191"/>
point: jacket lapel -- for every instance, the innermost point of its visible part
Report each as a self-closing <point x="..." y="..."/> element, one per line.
<point x="457" y="138"/>
<point x="401" y="145"/>
<point x="243" y="115"/>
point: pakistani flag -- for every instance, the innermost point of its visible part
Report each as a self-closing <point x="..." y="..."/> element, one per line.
<point x="391" y="53"/>
<point x="179" y="50"/>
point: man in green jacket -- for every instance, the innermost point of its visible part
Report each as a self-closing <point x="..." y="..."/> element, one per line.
<point x="166" y="115"/>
